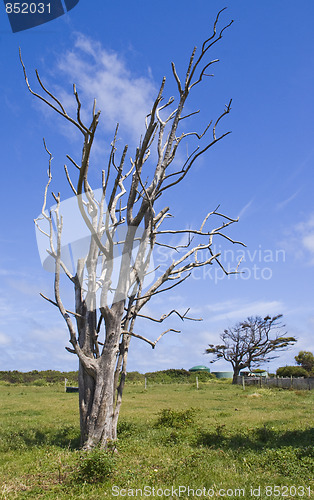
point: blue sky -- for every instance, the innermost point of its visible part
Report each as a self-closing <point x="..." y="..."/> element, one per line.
<point x="262" y="172"/>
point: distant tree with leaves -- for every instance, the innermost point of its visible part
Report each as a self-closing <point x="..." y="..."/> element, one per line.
<point x="291" y="371"/>
<point x="306" y="360"/>
<point x="251" y="342"/>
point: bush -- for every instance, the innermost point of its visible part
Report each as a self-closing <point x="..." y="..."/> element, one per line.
<point x="176" y="418"/>
<point x="40" y="382"/>
<point x="177" y="376"/>
<point x="126" y="429"/>
<point x="291" y="371"/>
<point x="94" y="466"/>
<point x="135" y="377"/>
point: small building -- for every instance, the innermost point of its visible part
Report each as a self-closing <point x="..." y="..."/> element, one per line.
<point x="199" y="368"/>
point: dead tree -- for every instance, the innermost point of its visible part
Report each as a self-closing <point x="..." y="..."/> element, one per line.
<point x="123" y="235"/>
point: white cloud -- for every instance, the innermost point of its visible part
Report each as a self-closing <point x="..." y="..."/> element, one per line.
<point x="98" y="73"/>
<point x="49" y="334"/>
<point x="306" y="233"/>
<point x="4" y="339"/>
<point x="307" y="224"/>
<point x="300" y="240"/>
<point x="238" y="310"/>
<point x="308" y="242"/>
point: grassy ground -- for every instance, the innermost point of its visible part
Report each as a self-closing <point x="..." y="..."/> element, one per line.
<point x="218" y="437"/>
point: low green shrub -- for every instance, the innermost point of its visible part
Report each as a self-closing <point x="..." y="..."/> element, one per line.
<point x="177" y="376"/>
<point x="297" y="463"/>
<point x="127" y="428"/>
<point x="94" y="466"/>
<point x="176" y="418"/>
<point x="40" y="382"/>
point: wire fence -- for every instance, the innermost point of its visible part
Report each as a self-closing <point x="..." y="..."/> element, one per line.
<point x="298" y="383"/>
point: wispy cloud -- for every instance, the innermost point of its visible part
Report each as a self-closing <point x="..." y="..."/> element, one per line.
<point x="25" y="287"/>
<point x="245" y="208"/>
<point x="7" y="308"/>
<point x="284" y="203"/>
<point x="102" y="74"/>
<point x="8" y="272"/>
<point x="237" y="310"/>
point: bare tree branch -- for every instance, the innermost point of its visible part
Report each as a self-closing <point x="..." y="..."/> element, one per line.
<point x="153" y="344"/>
<point x="165" y="316"/>
<point x="60" y="111"/>
<point x="55" y="304"/>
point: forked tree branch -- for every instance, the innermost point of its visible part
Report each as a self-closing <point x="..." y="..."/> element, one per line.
<point x="165" y="316"/>
<point x="152" y="343"/>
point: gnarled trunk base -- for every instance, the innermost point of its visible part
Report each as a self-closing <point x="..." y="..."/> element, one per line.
<point x="96" y="399"/>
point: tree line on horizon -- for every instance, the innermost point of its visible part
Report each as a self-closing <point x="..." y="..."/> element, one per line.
<point x="304" y="368"/>
<point x="47" y="377"/>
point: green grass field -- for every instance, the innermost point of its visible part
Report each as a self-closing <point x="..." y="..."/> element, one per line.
<point x="218" y="437"/>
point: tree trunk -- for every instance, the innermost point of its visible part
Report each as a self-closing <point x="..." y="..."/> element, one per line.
<point x="98" y="418"/>
<point x="119" y="384"/>
<point x="86" y="397"/>
<point x="97" y="404"/>
<point x="236" y="371"/>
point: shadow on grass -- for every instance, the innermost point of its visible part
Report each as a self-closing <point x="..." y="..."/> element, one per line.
<point x="64" y="437"/>
<point x="261" y="437"/>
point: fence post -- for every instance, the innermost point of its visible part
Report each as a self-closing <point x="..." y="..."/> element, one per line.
<point x="243" y="382"/>
<point x="196" y="382"/>
<point x="65" y="384"/>
<point x="145" y="383"/>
